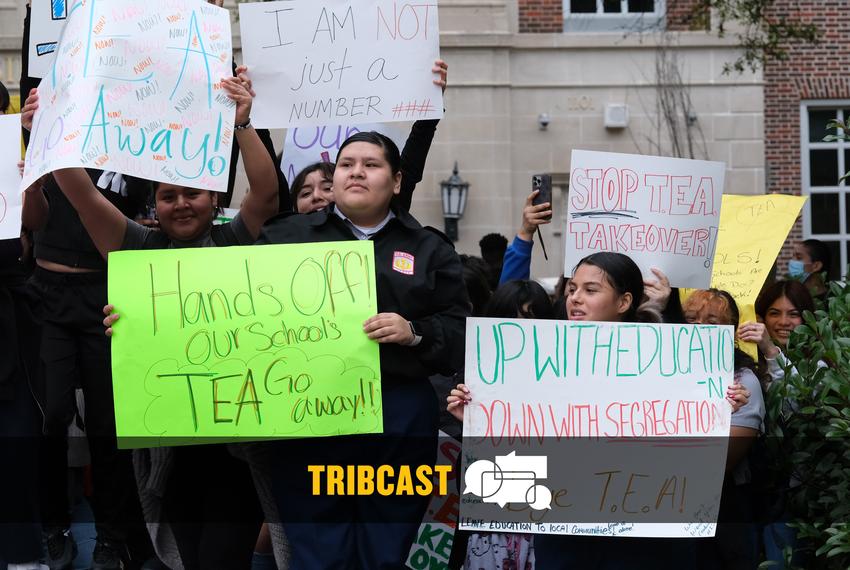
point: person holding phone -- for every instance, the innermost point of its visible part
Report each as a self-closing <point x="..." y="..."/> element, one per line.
<point x="536" y="212"/>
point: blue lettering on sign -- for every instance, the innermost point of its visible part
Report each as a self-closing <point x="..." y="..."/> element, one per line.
<point x="102" y="124"/>
<point x="135" y="141"/>
<point x="195" y="34"/>
<point x="88" y="52"/>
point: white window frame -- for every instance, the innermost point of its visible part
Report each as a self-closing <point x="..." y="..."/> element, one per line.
<point x="602" y="21"/>
<point x="843" y="189"/>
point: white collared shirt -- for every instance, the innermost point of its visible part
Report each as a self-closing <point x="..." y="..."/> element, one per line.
<point x="361" y="232"/>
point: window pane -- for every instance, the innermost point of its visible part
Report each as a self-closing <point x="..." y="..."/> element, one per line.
<point x="641" y="5"/>
<point x="583" y="6"/>
<point x="847" y="213"/>
<point x="817" y="123"/>
<point x="823" y="166"/>
<point x="846" y="167"/>
<point x="825" y="213"/>
<point x="612" y="6"/>
<point x="834" y="258"/>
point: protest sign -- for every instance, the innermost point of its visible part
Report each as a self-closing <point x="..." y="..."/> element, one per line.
<point x="752" y="231"/>
<point x="244" y="342"/>
<point x="642" y="405"/>
<point x="136" y="88"/>
<point x="304" y="146"/>
<point x="10" y="178"/>
<point x="433" y="544"/>
<point x="661" y="212"/>
<point x="47" y="19"/>
<point x="332" y="61"/>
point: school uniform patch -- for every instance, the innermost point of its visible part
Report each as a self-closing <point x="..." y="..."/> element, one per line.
<point x="403" y="262"/>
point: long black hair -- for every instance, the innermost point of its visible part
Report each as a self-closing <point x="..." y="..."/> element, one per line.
<point x="819" y="251"/>
<point x="521" y="298"/>
<point x="623" y="274"/>
<point x="793" y="290"/>
<point x="475" y="279"/>
<point x="327" y="170"/>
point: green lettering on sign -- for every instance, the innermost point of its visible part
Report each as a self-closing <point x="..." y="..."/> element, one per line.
<point x="236" y="343"/>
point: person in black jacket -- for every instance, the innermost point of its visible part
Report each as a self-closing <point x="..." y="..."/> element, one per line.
<point x="422" y="306"/>
<point x="70" y="279"/>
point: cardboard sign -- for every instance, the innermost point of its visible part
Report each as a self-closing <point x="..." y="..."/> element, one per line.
<point x="136" y="89"/>
<point x="307" y="145"/>
<point x="47" y="20"/>
<point x="609" y="429"/>
<point x="10" y="178"/>
<point x="230" y="343"/>
<point x="338" y="62"/>
<point x="752" y="231"/>
<point x="661" y="212"/>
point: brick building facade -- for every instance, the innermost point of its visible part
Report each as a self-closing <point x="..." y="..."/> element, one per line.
<point x="547" y="16"/>
<point x="804" y="89"/>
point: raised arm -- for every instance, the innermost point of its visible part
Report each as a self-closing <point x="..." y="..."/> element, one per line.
<point x="261" y="201"/>
<point x="105" y="223"/>
<point x="418" y="144"/>
<point x="517" y="261"/>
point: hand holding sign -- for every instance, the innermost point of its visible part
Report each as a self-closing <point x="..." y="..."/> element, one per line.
<point x="30" y="105"/>
<point x="270" y="344"/>
<point x="239" y="91"/>
<point x="645" y="406"/>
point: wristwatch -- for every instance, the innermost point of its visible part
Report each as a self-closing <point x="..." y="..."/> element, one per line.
<point x="243" y="126"/>
<point x="417" y="338"/>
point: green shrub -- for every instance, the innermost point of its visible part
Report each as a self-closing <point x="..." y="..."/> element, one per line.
<point x="809" y="430"/>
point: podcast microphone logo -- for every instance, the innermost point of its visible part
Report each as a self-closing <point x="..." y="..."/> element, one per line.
<point x="511" y="479"/>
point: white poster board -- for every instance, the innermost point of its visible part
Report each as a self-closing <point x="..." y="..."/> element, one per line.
<point x="10" y="178"/>
<point x="614" y="429"/>
<point x="304" y="146"/>
<point x="661" y="212"/>
<point x="47" y="19"/>
<point x="136" y="89"/>
<point x="320" y="62"/>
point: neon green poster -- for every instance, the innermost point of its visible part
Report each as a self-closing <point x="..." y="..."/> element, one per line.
<point x="244" y="343"/>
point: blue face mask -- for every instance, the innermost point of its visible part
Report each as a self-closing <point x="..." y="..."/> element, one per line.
<point x="797" y="270"/>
